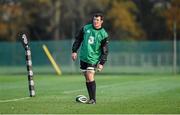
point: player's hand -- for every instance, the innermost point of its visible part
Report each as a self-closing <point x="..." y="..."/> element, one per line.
<point x="99" y="67"/>
<point x="74" y="56"/>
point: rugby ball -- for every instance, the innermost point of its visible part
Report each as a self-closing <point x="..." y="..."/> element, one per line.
<point x="81" y="99"/>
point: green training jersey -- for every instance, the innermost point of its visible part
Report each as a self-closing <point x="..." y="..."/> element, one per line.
<point x="91" y="45"/>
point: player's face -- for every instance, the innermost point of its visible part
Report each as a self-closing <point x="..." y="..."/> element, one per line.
<point x="97" y="22"/>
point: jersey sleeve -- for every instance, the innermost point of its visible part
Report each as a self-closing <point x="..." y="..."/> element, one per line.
<point x="78" y="41"/>
<point x="104" y="51"/>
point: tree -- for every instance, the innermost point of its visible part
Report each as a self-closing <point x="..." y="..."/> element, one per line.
<point x="61" y="19"/>
<point x="35" y="17"/>
<point x="122" y="17"/>
<point x="10" y="21"/>
<point x="172" y="17"/>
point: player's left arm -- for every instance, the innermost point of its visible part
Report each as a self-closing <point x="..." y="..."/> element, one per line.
<point x="104" y="51"/>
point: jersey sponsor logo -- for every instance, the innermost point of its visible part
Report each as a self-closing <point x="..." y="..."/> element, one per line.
<point x="91" y="40"/>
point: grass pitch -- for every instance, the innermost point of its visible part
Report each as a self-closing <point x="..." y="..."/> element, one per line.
<point x="147" y="94"/>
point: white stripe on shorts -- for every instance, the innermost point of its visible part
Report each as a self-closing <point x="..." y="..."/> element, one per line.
<point x="90" y="68"/>
<point x="84" y="70"/>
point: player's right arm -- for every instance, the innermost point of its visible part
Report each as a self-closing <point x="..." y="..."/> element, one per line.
<point x="77" y="44"/>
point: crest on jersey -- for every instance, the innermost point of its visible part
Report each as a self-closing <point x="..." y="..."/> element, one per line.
<point x="91" y="40"/>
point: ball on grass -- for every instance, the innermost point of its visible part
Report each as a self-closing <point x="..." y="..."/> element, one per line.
<point x="81" y="99"/>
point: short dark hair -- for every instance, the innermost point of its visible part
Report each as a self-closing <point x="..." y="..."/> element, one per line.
<point x="98" y="15"/>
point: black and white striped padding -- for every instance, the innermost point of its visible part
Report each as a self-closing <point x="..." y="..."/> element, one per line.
<point x="29" y="65"/>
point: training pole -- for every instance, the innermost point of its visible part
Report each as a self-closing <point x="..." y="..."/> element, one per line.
<point x="53" y="62"/>
<point x="29" y="65"/>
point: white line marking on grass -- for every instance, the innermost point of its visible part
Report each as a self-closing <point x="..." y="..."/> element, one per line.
<point x="79" y="90"/>
<point x="106" y="86"/>
<point x="11" y="100"/>
<point x="73" y="91"/>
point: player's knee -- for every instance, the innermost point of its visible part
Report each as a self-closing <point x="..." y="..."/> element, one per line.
<point x="89" y="80"/>
<point x="89" y="76"/>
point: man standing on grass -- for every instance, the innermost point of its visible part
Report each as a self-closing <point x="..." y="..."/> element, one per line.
<point x="93" y="53"/>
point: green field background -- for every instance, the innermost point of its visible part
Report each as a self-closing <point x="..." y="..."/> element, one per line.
<point x="125" y="94"/>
